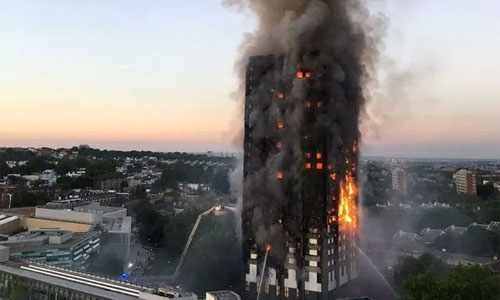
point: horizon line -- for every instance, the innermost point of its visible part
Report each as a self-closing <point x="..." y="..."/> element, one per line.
<point x="236" y="153"/>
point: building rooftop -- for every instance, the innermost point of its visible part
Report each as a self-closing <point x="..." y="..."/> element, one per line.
<point x="456" y="229"/>
<point x="38" y="240"/>
<point x="20" y="211"/>
<point x="222" y="295"/>
<point x="92" y="207"/>
<point x="94" y="285"/>
<point x="429" y="236"/>
<point x="402" y="236"/>
<point x="494" y="226"/>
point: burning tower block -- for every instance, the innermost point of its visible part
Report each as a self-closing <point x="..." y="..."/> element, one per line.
<point x="300" y="183"/>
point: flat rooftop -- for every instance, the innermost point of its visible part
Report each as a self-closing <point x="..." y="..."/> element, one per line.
<point x="76" y="238"/>
<point x="20" y="211"/>
<point x="107" y="289"/>
<point x="94" y="207"/>
<point x="225" y="295"/>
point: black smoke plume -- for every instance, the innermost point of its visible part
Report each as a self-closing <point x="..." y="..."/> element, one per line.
<point x="338" y="39"/>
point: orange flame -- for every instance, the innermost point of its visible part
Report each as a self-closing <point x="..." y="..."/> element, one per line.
<point x="345" y="212"/>
<point x="300" y="74"/>
<point x="268" y="247"/>
<point x="280" y="125"/>
<point x="348" y="194"/>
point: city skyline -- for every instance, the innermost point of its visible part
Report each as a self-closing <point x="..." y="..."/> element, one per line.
<point x="120" y="75"/>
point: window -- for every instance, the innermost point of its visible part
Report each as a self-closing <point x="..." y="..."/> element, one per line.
<point x="308" y="165"/>
<point x="300" y="74"/>
<point x="281" y="95"/>
<point x="308" y="155"/>
<point x="266" y="288"/>
<point x="319" y="166"/>
<point x="277" y="290"/>
<point x="308" y="74"/>
<point x="319" y="104"/>
<point x="280" y="125"/>
<point x="318" y="155"/>
<point x="279" y="175"/>
<point x="287" y="292"/>
<point x="308" y="104"/>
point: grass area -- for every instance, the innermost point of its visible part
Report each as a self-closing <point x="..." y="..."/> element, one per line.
<point x="215" y="250"/>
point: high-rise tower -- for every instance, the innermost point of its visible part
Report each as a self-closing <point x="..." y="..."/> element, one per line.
<point x="300" y="184"/>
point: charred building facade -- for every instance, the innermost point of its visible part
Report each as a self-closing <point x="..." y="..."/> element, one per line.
<point x="299" y="214"/>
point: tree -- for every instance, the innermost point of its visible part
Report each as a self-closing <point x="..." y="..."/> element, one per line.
<point x="22" y="199"/>
<point x="481" y="242"/>
<point x="108" y="263"/>
<point x="409" y="266"/>
<point x="424" y="286"/>
<point x="37" y="165"/>
<point x="471" y="282"/>
<point x="150" y="224"/>
<point x="487" y="191"/>
<point x="490" y="211"/>
<point x="139" y="192"/>
<point x="215" y="247"/>
<point x="221" y="181"/>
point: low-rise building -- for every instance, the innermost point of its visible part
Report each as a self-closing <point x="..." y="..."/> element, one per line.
<point x="456" y="230"/>
<point x="403" y="237"/>
<point x="429" y="236"/>
<point x="29" y="280"/>
<point x="494" y="226"/>
<point x="53" y="246"/>
<point x="222" y="295"/>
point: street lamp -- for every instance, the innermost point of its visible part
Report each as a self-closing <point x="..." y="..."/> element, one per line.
<point x="10" y="199"/>
<point x="130" y="265"/>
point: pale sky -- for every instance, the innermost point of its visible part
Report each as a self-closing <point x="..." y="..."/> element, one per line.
<point x="157" y="75"/>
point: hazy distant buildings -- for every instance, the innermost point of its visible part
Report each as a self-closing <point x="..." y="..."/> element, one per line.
<point x="465" y="182"/>
<point x="399" y="181"/>
<point x="109" y="182"/>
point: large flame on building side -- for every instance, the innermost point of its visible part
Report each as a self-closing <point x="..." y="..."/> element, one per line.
<point x="347" y="215"/>
<point x="348" y="211"/>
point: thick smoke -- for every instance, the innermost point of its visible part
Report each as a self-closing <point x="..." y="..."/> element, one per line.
<point x="338" y="39"/>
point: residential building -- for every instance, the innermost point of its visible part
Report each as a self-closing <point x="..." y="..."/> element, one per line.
<point x="465" y="182"/>
<point x="109" y="182"/>
<point x="399" y="181"/>
<point x="299" y="193"/>
<point x="429" y="236"/>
